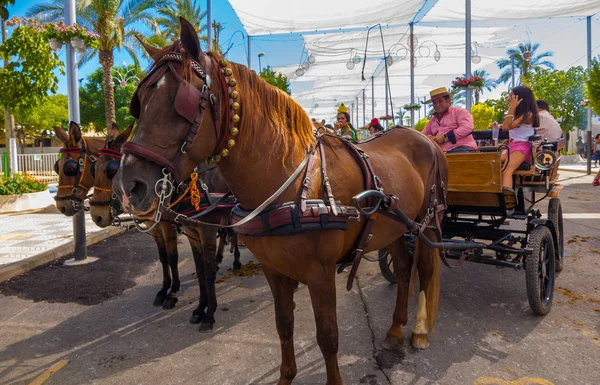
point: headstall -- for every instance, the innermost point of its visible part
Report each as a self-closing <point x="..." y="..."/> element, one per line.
<point x="71" y="168"/>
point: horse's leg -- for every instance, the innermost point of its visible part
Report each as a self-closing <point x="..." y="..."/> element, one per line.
<point x="162" y="256"/>
<point x="221" y="233"/>
<point x="170" y="236"/>
<point x="236" y="251"/>
<point x="428" y="264"/>
<point x="208" y="236"/>
<point x="283" y="295"/>
<point x="321" y="285"/>
<point x="402" y="261"/>
<point x="198" y="313"/>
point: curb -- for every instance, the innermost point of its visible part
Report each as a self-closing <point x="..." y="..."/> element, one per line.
<point x="13" y="269"/>
<point x="574" y="168"/>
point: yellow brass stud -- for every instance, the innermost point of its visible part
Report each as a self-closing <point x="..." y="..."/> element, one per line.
<point x="217" y="158"/>
<point x="223" y="63"/>
<point x="230" y="143"/>
<point x="224" y="152"/>
<point x="235" y="118"/>
<point x="234" y="95"/>
<point x="232" y="82"/>
<point x="210" y="160"/>
<point x="228" y="72"/>
<point x="234" y="131"/>
<point x="235" y="106"/>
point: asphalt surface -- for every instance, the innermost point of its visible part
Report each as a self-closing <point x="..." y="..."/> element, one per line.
<point x="100" y="318"/>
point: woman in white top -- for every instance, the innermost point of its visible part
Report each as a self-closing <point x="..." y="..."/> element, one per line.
<point x="520" y="121"/>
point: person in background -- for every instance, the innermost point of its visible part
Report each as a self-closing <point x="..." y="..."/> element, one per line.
<point x="343" y="124"/>
<point x="596" y="150"/>
<point x="549" y="127"/>
<point x="375" y="126"/>
<point x="450" y="127"/>
<point x="580" y="147"/>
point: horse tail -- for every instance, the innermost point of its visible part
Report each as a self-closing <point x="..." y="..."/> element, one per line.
<point x="433" y="290"/>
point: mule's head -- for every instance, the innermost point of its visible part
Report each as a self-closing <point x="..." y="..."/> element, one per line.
<point x="103" y="203"/>
<point x="186" y="112"/>
<point x="74" y="169"/>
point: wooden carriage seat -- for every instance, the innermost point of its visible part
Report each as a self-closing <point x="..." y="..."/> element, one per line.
<point x="528" y="173"/>
<point x="474" y="180"/>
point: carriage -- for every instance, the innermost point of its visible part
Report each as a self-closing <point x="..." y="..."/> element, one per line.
<point x="479" y="211"/>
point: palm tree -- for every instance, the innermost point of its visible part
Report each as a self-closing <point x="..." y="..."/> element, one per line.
<point x="168" y="20"/>
<point x="401" y="115"/>
<point x="115" y="21"/>
<point x="535" y="63"/>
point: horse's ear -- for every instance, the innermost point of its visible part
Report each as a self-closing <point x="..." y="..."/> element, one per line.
<point x="74" y="132"/>
<point x="61" y="134"/>
<point x="189" y="38"/>
<point x="113" y="132"/>
<point x="122" y="138"/>
<point x="153" y="52"/>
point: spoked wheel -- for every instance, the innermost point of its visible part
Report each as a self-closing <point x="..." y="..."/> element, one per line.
<point x="386" y="266"/>
<point x="540" y="270"/>
<point x="555" y="215"/>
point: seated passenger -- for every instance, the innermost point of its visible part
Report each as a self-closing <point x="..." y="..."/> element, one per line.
<point x="375" y="126"/>
<point x="520" y="122"/>
<point x="450" y="127"/>
<point x="549" y="127"/>
<point x="343" y="124"/>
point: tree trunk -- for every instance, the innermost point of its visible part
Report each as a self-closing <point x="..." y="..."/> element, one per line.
<point x="107" y="61"/>
<point x="476" y="95"/>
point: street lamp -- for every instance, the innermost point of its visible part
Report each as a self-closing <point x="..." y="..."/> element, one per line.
<point x="259" y="64"/>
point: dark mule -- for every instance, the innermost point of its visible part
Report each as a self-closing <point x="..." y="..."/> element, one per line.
<point x="104" y="208"/>
<point x="259" y="136"/>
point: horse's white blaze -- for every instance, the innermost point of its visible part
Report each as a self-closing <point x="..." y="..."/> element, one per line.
<point x="420" y="326"/>
<point x="160" y="82"/>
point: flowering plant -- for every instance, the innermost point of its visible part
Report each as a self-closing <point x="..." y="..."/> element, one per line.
<point x="464" y="82"/>
<point x="64" y="33"/>
<point x="386" y="117"/>
<point x="414" y="106"/>
<point x="584" y="103"/>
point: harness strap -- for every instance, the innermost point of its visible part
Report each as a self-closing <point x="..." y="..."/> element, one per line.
<point x="306" y="185"/>
<point x="326" y="183"/>
<point x="363" y="241"/>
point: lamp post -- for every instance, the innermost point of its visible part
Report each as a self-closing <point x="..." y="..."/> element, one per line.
<point x="259" y="63"/>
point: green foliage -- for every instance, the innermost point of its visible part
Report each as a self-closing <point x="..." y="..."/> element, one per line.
<point x="592" y="86"/>
<point x="168" y="19"/>
<point x="91" y="97"/>
<point x="38" y="121"/>
<point x="499" y="106"/>
<point x="280" y="81"/>
<point x="523" y="67"/>
<point x="20" y="184"/>
<point x="482" y="116"/>
<point x="28" y="77"/>
<point x="4" y="8"/>
<point x="421" y="124"/>
<point x="563" y="90"/>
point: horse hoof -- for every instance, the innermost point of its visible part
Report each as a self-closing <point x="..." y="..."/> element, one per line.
<point x="158" y="301"/>
<point x="419" y="341"/>
<point x="170" y="303"/>
<point x="196" y="318"/>
<point x="206" y="326"/>
<point x="237" y="266"/>
<point x="392" y="342"/>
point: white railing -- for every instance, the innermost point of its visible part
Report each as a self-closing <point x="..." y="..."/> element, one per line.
<point x="39" y="166"/>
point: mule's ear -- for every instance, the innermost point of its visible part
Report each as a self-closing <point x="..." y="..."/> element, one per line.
<point x="74" y="132"/>
<point x="122" y="138"/>
<point x="61" y="134"/>
<point x="153" y="52"/>
<point x="189" y="38"/>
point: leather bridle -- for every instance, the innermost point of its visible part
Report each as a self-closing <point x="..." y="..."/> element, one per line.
<point x="84" y="156"/>
<point x="191" y="103"/>
<point x="114" y="203"/>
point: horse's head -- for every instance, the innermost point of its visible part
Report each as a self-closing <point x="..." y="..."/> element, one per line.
<point x="74" y="169"/>
<point x="187" y="109"/>
<point x="103" y="204"/>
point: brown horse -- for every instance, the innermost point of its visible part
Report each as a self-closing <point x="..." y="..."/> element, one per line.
<point x="104" y="208"/>
<point x="268" y="136"/>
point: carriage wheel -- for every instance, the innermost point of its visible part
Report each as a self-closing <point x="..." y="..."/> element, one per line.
<point x="555" y="215"/>
<point x="540" y="270"/>
<point x="386" y="266"/>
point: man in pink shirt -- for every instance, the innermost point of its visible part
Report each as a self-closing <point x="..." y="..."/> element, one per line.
<point x="450" y="127"/>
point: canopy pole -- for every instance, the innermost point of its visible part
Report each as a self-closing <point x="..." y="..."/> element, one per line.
<point x="372" y="97"/>
<point x="364" y="107"/>
<point x="512" y="69"/>
<point x="249" y="54"/>
<point x="209" y="26"/>
<point x="468" y="51"/>
<point x="351" y="111"/>
<point x="357" y="110"/>
<point x="589" y="110"/>
<point x="387" y="97"/>
<point x="411" y="44"/>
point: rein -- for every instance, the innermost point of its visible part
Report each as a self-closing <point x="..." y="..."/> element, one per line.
<point x="81" y="166"/>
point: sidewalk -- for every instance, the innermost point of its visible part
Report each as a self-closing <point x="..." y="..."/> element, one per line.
<point x="577" y="167"/>
<point x="30" y="239"/>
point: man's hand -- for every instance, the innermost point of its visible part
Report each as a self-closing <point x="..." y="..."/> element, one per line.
<point x="439" y="138"/>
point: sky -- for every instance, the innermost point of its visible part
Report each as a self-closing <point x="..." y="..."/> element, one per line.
<point x="565" y="37"/>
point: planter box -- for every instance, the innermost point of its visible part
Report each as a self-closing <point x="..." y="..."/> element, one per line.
<point x="25" y="202"/>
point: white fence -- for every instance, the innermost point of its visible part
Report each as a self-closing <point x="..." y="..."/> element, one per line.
<point x="39" y="166"/>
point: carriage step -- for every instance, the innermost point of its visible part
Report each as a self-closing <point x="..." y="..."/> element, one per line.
<point x="510" y="198"/>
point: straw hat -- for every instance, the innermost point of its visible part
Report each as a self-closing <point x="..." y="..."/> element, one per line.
<point x="442" y="91"/>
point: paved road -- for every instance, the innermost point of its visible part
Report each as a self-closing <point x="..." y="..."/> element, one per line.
<point x="103" y="323"/>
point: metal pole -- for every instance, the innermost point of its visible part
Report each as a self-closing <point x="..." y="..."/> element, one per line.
<point x="357" y="108"/>
<point x="364" y="109"/>
<point x="372" y="97"/>
<point x="589" y="110"/>
<point x="249" y="54"/>
<point x="387" y="96"/>
<point x="209" y="23"/>
<point x="9" y="133"/>
<point x="351" y="111"/>
<point x="468" y="50"/>
<point x="80" y="249"/>
<point x="412" y="74"/>
<point x="512" y="69"/>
